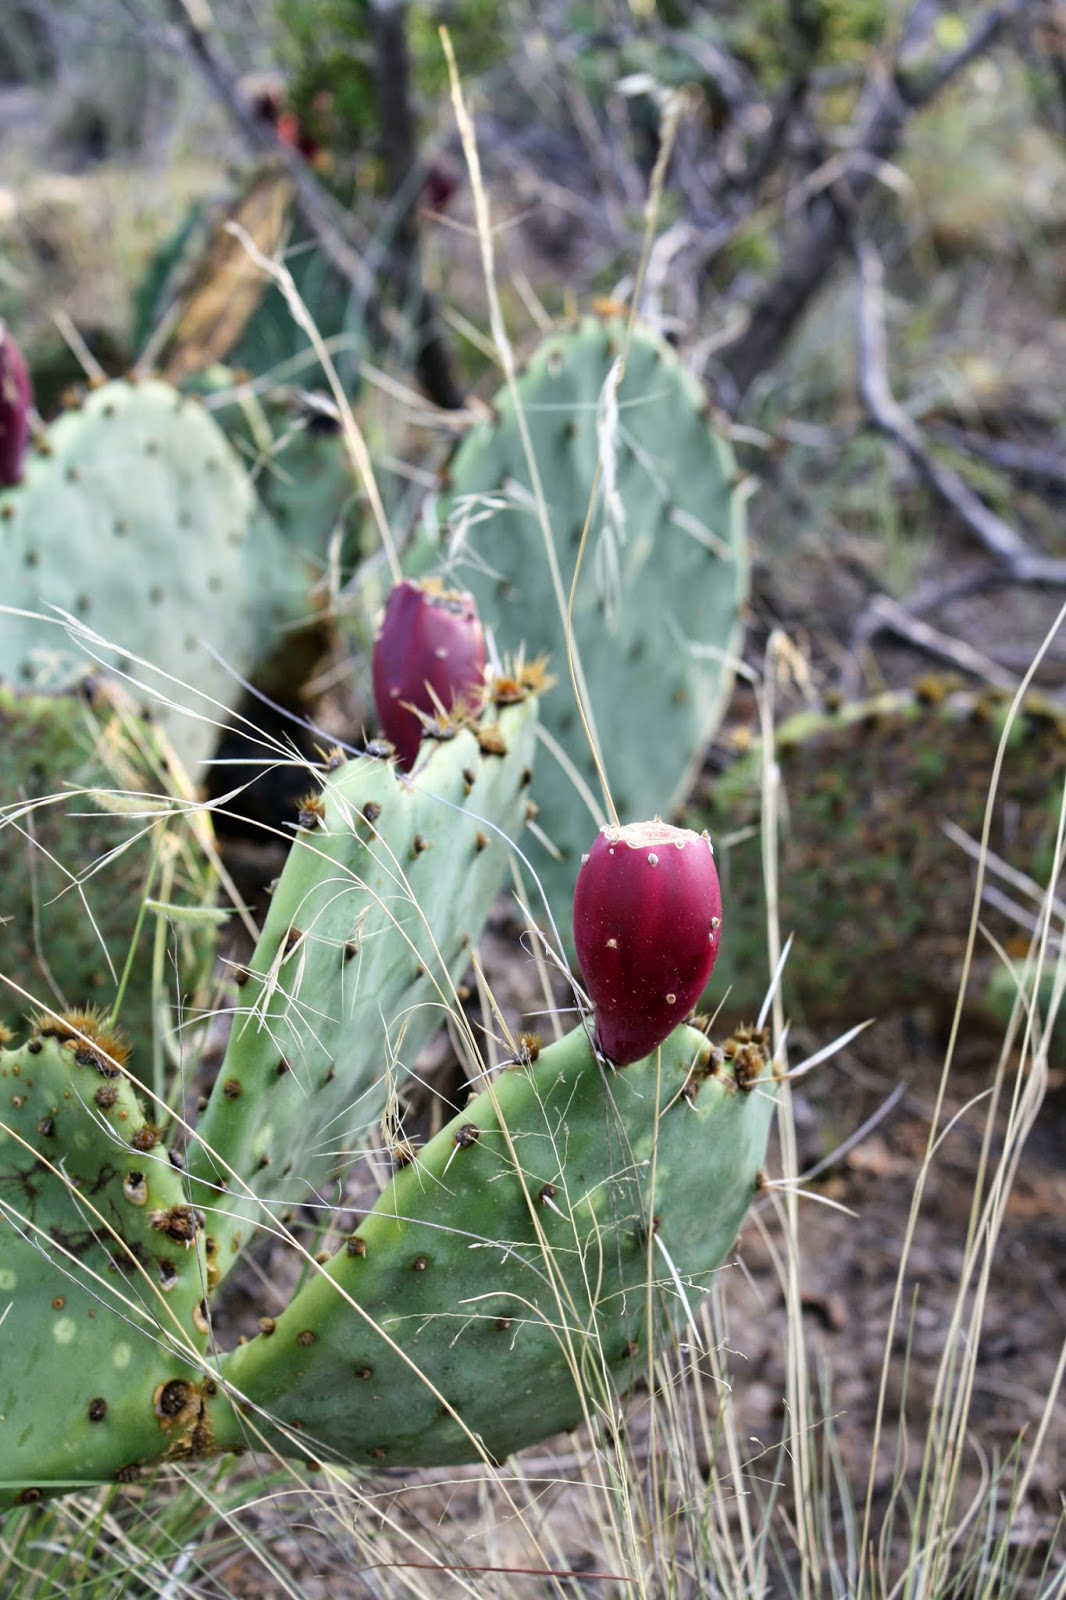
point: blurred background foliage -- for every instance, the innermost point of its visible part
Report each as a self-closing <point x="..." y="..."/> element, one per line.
<point x="122" y="157"/>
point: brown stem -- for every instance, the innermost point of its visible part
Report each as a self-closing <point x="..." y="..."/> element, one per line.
<point x="399" y="149"/>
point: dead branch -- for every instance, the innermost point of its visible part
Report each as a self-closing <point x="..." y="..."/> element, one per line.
<point x="1046" y="469"/>
<point x="884" y="614"/>
<point x="997" y="536"/>
<point x="399" y="146"/>
<point x="888" y="103"/>
<point x="1014" y="562"/>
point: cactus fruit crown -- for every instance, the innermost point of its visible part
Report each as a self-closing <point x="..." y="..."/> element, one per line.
<point x="647" y="835"/>
<point x="647" y="928"/>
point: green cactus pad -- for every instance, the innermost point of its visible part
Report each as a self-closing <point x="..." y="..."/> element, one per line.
<point x="102" y="1273"/>
<point x="566" y="1215"/>
<point x="369" y="929"/>
<point x="877" y="894"/>
<point x="138" y="520"/>
<point x="667" y="542"/>
<point x="74" y="874"/>
<point x="299" y="463"/>
<point x="223" y="308"/>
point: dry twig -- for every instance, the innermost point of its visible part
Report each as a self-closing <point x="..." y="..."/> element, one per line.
<point x="1014" y="562"/>
<point x="887" y="105"/>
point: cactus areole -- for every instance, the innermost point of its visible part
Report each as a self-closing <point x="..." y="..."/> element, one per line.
<point x="647" y="925"/>
<point x="16" y="397"/>
<point x="429" y="658"/>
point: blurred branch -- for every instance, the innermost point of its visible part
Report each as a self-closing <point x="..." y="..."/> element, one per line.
<point x="890" y="100"/>
<point x="1014" y="561"/>
<point x="997" y="536"/>
<point x="883" y="614"/>
<point x="191" y="32"/>
<point x="1044" y="468"/>
<point x="719" y="67"/>
<point x="1042" y="40"/>
<point x="329" y="223"/>
<point x="399" y="148"/>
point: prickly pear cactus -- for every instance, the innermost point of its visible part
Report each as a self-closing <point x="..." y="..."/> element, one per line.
<point x="136" y="519"/>
<point x="102" y="1271"/>
<point x="876" y="892"/>
<point x="657" y="614"/>
<point x="568" y="1216"/>
<point x="369" y="929"/>
<point x="94" y="818"/>
<point x="304" y="478"/>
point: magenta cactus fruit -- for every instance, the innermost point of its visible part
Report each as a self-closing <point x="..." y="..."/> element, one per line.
<point x="16" y="398"/>
<point x="429" y="659"/>
<point x="647" y="925"/>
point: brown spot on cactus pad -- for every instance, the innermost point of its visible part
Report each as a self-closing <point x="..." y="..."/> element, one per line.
<point x="180" y="1223"/>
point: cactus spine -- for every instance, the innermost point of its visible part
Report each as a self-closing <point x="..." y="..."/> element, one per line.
<point x="522" y="1257"/>
<point x="369" y="929"/>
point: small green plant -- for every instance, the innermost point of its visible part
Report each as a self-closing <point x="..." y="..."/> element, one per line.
<point x="107" y="863"/>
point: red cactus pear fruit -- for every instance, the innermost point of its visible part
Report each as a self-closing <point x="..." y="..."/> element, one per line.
<point x="439" y="184"/>
<point x="647" y="924"/>
<point x="287" y="128"/>
<point x="429" y="657"/>
<point x="16" y="398"/>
